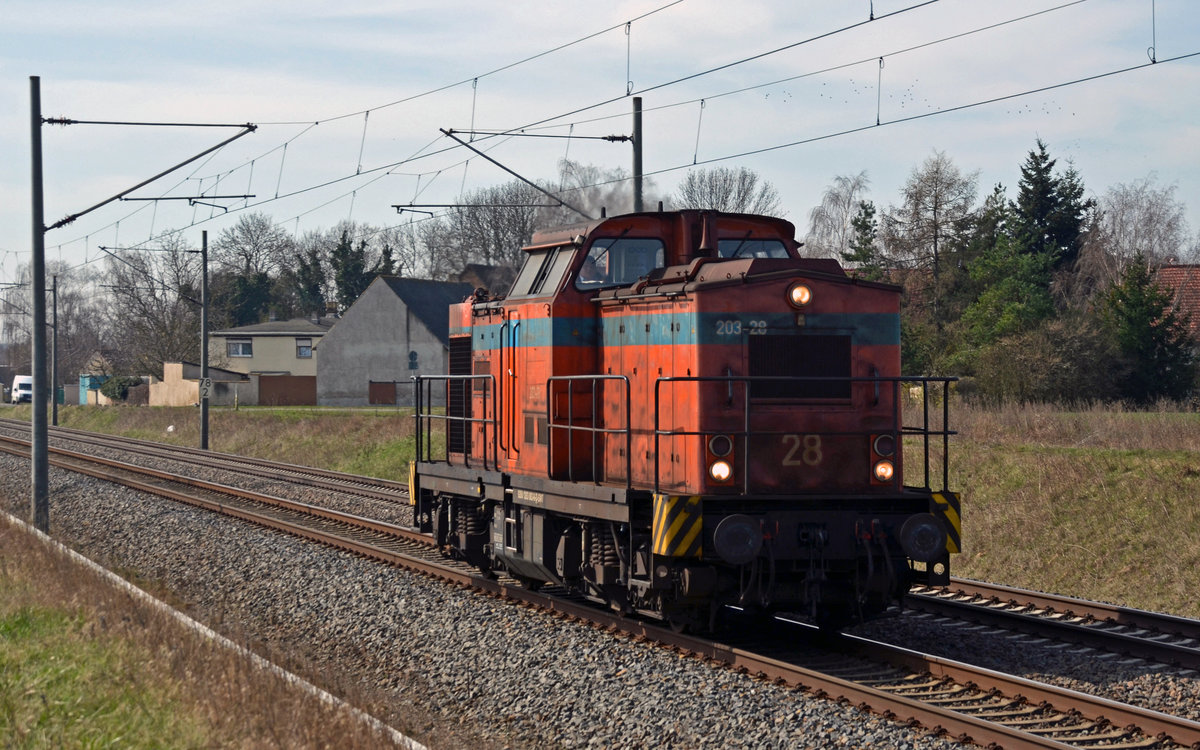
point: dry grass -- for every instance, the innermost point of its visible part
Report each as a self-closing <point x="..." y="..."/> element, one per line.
<point x="85" y="664"/>
<point x="1100" y="503"/>
<point x="375" y="442"/>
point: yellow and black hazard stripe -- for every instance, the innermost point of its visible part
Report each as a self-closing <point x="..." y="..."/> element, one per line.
<point x="946" y="507"/>
<point x="678" y="521"/>
<point x="412" y="482"/>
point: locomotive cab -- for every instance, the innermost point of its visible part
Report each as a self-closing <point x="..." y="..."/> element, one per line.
<point x="672" y="412"/>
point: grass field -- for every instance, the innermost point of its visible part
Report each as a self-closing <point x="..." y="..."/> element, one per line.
<point x="84" y="664"/>
<point x="1097" y="503"/>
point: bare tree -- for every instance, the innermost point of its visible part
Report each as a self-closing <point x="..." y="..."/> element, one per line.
<point x="831" y="225"/>
<point x="939" y="201"/>
<point x="727" y="189"/>
<point x="495" y="223"/>
<point x="402" y="243"/>
<point x="935" y="218"/>
<point x="255" y="244"/>
<point x="1132" y="219"/>
<point x="77" y="316"/>
<point x="442" y="249"/>
<point x="16" y="311"/>
<point x="153" y="307"/>
<point x="491" y="225"/>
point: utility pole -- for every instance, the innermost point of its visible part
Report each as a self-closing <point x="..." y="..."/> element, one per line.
<point x="637" y="154"/>
<point x="39" y="454"/>
<point x="54" y="358"/>
<point x="205" y="382"/>
<point x="40" y="458"/>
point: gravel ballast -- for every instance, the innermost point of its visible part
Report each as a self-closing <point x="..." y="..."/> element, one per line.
<point x="451" y="666"/>
<point x="446" y="665"/>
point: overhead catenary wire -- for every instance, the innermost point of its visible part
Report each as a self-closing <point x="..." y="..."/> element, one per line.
<point x="921" y="116"/>
<point x="626" y="25"/>
<point x="492" y="72"/>
<point x="880" y="122"/>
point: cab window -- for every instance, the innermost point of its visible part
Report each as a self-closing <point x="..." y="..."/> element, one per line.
<point x="619" y="262"/>
<point x="543" y="272"/>
<point x="751" y="248"/>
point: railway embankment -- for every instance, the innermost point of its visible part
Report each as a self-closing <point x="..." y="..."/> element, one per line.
<point x="1093" y="503"/>
<point x="1098" y="502"/>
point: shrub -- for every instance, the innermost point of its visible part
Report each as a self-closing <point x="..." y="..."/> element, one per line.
<point x="117" y="388"/>
<point x="1063" y="361"/>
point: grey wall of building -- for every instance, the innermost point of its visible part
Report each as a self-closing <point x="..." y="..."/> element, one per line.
<point x="372" y="342"/>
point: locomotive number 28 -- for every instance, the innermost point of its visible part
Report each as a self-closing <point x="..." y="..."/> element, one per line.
<point x="803" y="450"/>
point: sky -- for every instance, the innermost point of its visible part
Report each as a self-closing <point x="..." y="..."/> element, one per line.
<point x="349" y="100"/>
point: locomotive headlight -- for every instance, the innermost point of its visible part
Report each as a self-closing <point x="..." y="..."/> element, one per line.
<point x="884" y="445"/>
<point x="799" y="294"/>
<point x="884" y="471"/>
<point x="720" y="470"/>
<point x="720" y="445"/>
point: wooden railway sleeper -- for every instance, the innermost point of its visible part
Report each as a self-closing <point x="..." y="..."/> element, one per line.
<point x="904" y="685"/>
<point x="1006" y="714"/>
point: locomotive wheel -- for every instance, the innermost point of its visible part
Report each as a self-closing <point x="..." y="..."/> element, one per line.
<point x="684" y="620"/>
<point x="533" y="584"/>
<point x="832" y="619"/>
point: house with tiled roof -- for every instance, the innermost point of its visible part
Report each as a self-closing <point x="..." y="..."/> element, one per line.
<point x="1184" y="284"/>
<point x="396" y="329"/>
<point x="277" y="347"/>
<point x="279" y="356"/>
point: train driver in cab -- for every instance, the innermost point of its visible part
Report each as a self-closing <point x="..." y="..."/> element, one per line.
<point x="595" y="269"/>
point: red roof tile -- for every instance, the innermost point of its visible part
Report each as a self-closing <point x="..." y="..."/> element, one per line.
<point x="1184" y="283"/>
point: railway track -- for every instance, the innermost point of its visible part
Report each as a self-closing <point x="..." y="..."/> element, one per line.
<point x="1158" y="637"/>
<point x="1134" y="633"/>
<point x="333" y="481"/>
<point x="964" y="702"/>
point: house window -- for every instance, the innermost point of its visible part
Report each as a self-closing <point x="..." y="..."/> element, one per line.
<point x="303" y="348"/>
<point x="240" y="348"/>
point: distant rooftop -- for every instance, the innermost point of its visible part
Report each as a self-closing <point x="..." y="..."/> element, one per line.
<point x="293" y="327"/>
<point x="1184" y="283"/>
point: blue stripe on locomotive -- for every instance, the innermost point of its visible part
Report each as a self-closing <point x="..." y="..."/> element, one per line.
<point x="866" y="329"/>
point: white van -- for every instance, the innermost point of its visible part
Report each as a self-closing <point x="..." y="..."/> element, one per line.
<point x="22" y="389"/>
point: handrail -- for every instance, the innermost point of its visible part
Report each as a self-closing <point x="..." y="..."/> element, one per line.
<point x="924" y="430"/>
<point x="425" y="417"/>
<point x="499" y="408"/>
<point x="513" y="444"/>
<point x="571" y="428"/>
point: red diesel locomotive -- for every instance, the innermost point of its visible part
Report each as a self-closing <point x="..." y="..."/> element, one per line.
<point x="673" y="412"/>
